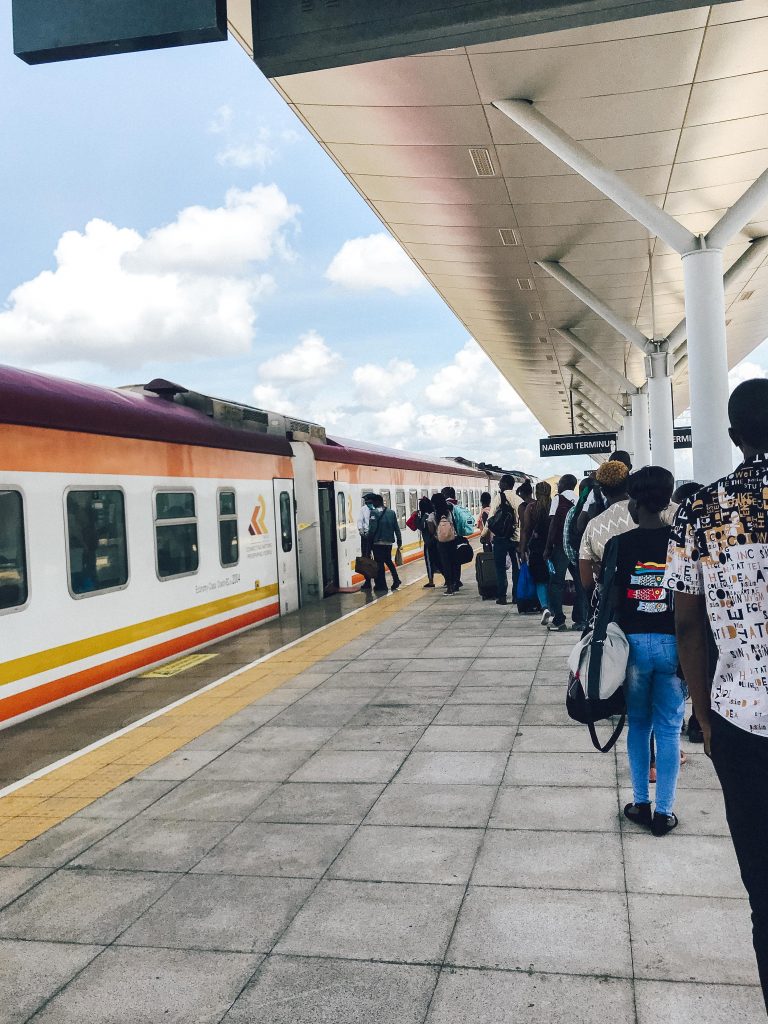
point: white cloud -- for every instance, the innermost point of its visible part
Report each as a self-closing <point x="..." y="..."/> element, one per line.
<point x="376" y="386"/>
<point x="395" y="423"/>
<point x="310" y="360"/>
<point x="376" y="261"/>
<point x="187" y="290"/>
<point x="221" y="120"/>
<point x="246" y="154"/>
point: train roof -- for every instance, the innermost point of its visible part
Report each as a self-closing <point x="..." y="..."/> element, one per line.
<point x="37" y="400"/>
<point x="358" y="453"/>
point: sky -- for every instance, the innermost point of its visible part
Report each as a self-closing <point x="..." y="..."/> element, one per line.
<point x="164" y="214"/>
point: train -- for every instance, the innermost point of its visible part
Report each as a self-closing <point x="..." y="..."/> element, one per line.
<point x="141" y="523"/>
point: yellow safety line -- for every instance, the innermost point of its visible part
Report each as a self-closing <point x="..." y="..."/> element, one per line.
<point x="55" y="657"/>
<point x="32" y="810"/>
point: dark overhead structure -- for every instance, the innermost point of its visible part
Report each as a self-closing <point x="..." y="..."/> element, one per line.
<point x="54" y="30"/>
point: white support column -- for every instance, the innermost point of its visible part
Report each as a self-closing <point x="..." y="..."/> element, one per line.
<point x="642" y="444"/>
<point x="707" y="363"/>
<point x="627" y="429"/>
<point x="660" y="405"/>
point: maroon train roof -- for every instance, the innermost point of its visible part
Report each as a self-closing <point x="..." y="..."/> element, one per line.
<point x="357" y="453"/>
<point x="35" y="400"/>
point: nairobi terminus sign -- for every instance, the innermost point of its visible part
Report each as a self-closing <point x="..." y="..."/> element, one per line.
<point x="577" y="444"/>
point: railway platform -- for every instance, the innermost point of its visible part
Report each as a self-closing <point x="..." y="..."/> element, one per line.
<point x="391" y="819"/>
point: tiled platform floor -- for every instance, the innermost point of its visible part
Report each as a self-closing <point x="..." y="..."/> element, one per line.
<point x="410" y="830"/>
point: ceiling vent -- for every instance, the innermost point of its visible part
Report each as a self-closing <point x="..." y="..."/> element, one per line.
<point x="525" y="284"/>
<point x="536" y="316"/>
<point x="509" y="236"/>
<point x="746" y="296"/>
<point x="481" y="158"/>
<point x="543" y="339"/>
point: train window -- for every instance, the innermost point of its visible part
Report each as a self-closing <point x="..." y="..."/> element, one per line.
<point x="14" y="588"/>
<point x="400" y="503"/>
<point x="229" y="551"/>
<point x="386" y="497"/>
<point x="424" y="492"/>
<point x="465" y="501"/>
<point x="413" y="500"/>
<point x="96" y="542"/>
<point x="286" y="521"/>
<point x="341" y="515"/>
<point x="176" y="533"/>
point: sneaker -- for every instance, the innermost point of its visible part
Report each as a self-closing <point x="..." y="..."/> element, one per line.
<point x="501" y="600"/>
<point x="546" y="618"/>
<point x="396" y="584"/>
<point x="428" y="585"/>
<point x="557" y="629"/>
<point x="459" y="585"/>
<point x="379" y="590"/>
<point x="663" y="823"/>
<point x="639" y="814"/>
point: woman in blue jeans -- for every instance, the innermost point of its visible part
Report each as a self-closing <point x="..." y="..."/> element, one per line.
<point x="654" y="691"/>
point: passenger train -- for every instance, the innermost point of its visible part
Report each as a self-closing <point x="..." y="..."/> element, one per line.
<point x="143" y="522"/>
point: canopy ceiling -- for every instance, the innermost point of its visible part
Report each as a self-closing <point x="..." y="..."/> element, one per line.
<point x="677" y="103"/>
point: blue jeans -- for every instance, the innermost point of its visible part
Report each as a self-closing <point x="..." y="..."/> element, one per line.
<point x="655" y="701"/>
<point x="501" y="548"/>
<point x="557" y="584"/>
<point x="542" y="592"/>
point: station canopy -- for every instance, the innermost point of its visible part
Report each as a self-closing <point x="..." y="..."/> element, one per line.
<point x="677" y="103"/>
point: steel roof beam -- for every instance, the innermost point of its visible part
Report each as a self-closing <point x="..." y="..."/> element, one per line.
<point x="622" y="383"/>
<point x="588" y="297"/>
<point x="597" y="391"/>
<point x="595" y="411"/>
<point x="651" y="216"/>
<point x="741" y="213"/>
<point x="753" y="255"/>
<point x="590" y="423"/>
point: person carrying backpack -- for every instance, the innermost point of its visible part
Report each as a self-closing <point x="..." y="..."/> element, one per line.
<point x="383" y="532"/>
<point x="446" y="536"/>
<point x="504" y="526"/>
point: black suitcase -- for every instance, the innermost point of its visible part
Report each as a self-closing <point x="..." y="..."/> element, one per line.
<point x="485" y="570"/>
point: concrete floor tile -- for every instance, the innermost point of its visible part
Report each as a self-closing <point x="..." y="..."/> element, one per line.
<point x="412" y="678"/>
<point x="454" y="768"/>
<point x="540" y="930"/>
<point x="30" y="973"/>
<point x="210" y="800"/>
<point x="488" y="695"/>
<point x="467" y="737"/>
<point x="280" y="849"/>
<point x="497" y="677"/>
<point x="480" y="714"/>
<point x="83" y="906"/>
<point x="404" y="923"/>
<point x="560" y="770"/>
<point x="447" y="663"/>
<point x="146" y="844"/>
<point x="298" y="715"/>
<point x="680" y="1003"/>
<point x="548" y="714"/>
<point x="516" y="664"/>
<point x="541" y="694"/>
<point x="235" y="912"/>
<point x="296" y="990"/>
<point x="502" y="997"/>
<point x="350" y="766"/>
<point x="254" y="716"/>
<point x="701" y="813"/>
<point x="286" y="737"/>
<point x="255" y="765"/>
<point x="319" y="803"/>
<point x="145" y="986"/>
<point x="551" y="860"/>
<point x="682" y="865"/>
<point x="127" y="800"/>
<point x="435" y="696"/>
<point x="15" y="881"/>
<point x="446" y="806"/>
<point x="388" y="853"/>
<point x="587" y="809"/>
<point x="61" y="843"/>
<point x="389" y="714"/>
<point x="178" y="766"/>
<point x="383" y="737"/>
<point x="553" y="739"/>
<point x="683" y="938"/>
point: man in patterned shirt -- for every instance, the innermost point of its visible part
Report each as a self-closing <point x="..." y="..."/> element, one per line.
<point x="718" y="570"/>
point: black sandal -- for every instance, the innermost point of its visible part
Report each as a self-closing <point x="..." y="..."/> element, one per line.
<point x="639" y="814"/>
<point x="663" y="823"/>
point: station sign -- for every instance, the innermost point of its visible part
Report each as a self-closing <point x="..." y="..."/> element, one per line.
<point x="53" y="30"/>
<point x="682" y="437"/>
<point x="577" y="444"/>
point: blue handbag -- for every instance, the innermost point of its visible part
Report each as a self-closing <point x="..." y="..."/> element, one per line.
<point x="526" y="588"/>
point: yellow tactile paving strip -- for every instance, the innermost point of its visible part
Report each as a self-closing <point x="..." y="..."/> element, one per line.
<point x="38" y="806"/>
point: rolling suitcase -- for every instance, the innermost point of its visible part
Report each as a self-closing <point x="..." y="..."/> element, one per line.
<point x="485" y="570"/>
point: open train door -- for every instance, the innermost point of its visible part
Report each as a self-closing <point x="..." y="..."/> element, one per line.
<point x="286" y="546"/>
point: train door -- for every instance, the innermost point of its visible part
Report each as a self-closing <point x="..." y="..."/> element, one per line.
<point x="346" y="533"/>
<point x="287" y="555"/>
<point x="328" y="546"/>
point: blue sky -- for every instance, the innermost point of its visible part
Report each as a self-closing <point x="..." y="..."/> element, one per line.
<point x="164" y="214"/>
